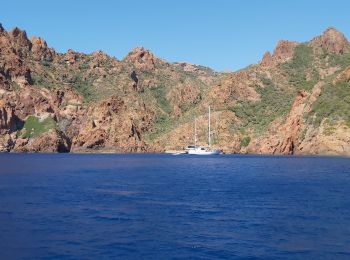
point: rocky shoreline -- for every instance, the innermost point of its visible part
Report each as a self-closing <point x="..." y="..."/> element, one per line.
<point x="293" y="102"/>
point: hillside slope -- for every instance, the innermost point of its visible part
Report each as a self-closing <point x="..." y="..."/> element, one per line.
<point x="295" y="101"/>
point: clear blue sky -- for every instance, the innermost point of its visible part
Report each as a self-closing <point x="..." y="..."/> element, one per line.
<point x="222" y="34"/>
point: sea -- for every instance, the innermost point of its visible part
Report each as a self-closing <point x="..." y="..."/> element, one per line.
<point x="159" y="206"/>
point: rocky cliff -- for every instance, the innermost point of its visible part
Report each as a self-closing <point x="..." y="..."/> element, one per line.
<point x="294" y="101"/>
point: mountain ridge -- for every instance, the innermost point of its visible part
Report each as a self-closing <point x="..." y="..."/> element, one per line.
<point x="294" y="101"/>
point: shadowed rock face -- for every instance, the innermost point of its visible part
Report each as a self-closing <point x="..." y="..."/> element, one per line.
<point x="20" y="40"/>
<point x="61" y="102"/>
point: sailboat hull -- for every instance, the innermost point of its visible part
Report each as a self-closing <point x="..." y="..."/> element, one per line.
<point x="203" y="152"/>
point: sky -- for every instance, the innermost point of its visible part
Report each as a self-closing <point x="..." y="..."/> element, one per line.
<point x="225" y="35"/>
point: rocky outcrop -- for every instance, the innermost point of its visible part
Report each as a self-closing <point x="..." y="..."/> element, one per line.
<point x="282" y="53"/>
<point x="8" y="120"/>
<point x="52" y="141"/>
<point x="239" y="86"/>
<point x="331" y="41"/>
<point x="101" y="58"/>
<point x="111" y="124"/>
<point x="183" y="96"/>
<point x="327" y="139"/>
<point x="9" y="123"/>
<point x="14" y="47"/>
<point x="40" y="50"/>
<point x="285" y="135"/>
<point x="141" y="58"/>
<point x="1" y="28"/>
<point x="205" y="74"/>
<point x="343" y="76"/>
<point x="20" y="41"/>
<point x="15" y="108"/>
<point x="71" y="57"/>
<point x="282" y="136"/>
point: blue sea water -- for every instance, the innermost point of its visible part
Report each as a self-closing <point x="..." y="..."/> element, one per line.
<point x="71" y="206"/>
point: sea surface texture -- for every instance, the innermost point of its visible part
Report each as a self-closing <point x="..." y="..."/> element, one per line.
<point x="174" y="207"/>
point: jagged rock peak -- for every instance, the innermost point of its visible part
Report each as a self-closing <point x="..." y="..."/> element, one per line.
<point x="18" y="33"/>
<point x="100" y="56"/>
<point x="283" y="52"/>
<point x="20" y="37"/>
<point x="139" y="52"/>
<point x="267" y="59"/>
<point x="141" y="58"/>
<point x="331" y="40"/>
<point x="71" y="57"/>
<point x="40" y="50"/>
<point x="99" y="53"/>
<point x="284" y="49"/>
<point x="38" y="41"/>
<point x="1" y="28"/>
<point x="332" y="32"/>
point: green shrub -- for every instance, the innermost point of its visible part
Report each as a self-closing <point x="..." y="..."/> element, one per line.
<point x="274" y="103"/>
<point x="333" y="103"/>
<point x="339" y="60"/>
<point x="159" y="94"/>
<point x="329" y="130"/>
<point x="83" y="66"/>
<point x="347" y="122"/>
<point x="299" y="66"/>
<point x="245" y="141"/>
<point x="303" y="134"/>
<point x="34" y="126"/>
<point x="83" y="87"/>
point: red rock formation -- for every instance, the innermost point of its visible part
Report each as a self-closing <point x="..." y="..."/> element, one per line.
<point x="20" y="41"/>
<point x="183" y="96"/>
<point x="113" y="125"/>
<point x="267" y="60"/>
<point x="121" y="102"/>
<point x="331" y="41"/>
<point x="8" y="120"/>
<point x="52" y="141"/>
<point x="40" y="50"/>
<point x="14" y="47"/>
<point x="70" y="57"/>
<point x="141" y="58"/>
<point x="101" y="58"/>
<point x="283" y="52"/>
<point x="283" y="136"/>
<point x="344" y="75"/>
<point x="238" y="86"/>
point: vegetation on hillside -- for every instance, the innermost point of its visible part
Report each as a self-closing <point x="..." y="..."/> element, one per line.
<point x="245" y="141"/>
<point x="35" y="126"/>
<point x="340" y="61"/>
<point x="333" y="103"/>
<point x="275" y="102"/>
<point x="300" y="70"/>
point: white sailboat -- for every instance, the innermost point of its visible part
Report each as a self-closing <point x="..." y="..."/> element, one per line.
<point x="200" y="150"/>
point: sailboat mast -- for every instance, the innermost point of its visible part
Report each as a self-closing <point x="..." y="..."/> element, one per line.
<point x="195" y="132"/>
<point x="209" y="133"/>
